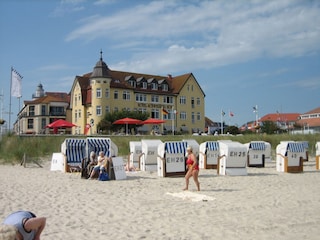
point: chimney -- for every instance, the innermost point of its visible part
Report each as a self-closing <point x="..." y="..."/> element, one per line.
<point x="169" y="76"/>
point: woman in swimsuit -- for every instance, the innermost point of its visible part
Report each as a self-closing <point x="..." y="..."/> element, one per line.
<point x="193" y="168"/>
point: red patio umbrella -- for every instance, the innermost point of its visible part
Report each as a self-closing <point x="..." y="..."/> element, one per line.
<point x="127" y="121"/>
<point x="60" y="123"/>
<point x="153" y="121"/>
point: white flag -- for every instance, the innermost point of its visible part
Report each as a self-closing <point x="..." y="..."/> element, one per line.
<point x="15" y="83"/>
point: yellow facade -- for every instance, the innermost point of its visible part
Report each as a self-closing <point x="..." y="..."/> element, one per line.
<point x="184" y="100"/>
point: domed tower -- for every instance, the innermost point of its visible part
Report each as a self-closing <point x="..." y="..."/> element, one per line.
<point x="100" y="90"/>
<point x="101" y="69"/>
<point x="39" y="92"/>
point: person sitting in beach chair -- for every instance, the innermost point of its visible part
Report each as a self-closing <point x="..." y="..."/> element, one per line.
<point x="96" y="169"/>
<point x="92" y="162"/>
<point x="104" y="168"/>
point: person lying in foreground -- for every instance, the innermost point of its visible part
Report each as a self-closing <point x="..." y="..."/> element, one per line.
<point x="22" y="225"/>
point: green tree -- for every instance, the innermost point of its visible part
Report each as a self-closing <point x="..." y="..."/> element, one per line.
<point x="106" y="126"/>
<point x="269" y="127"/>
<point x="234" y="130"/>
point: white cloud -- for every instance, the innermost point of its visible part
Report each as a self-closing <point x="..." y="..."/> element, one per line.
<point x="313" y="83"/>
<point x="177" y="36"/>
<point x="104" y="2"/>
<point x="68" y="6"/>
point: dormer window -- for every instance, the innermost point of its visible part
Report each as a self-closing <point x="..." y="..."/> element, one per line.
<point x="144" y="85"/>
<point x="154" y="86"/>
<point x="133" y="83"/>
<point x="131" y="80"/>
<point x="165" y="87"/>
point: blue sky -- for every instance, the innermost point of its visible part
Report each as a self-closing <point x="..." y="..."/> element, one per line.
<point x="243" y="53"/>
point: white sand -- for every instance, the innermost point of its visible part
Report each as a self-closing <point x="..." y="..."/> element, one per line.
<point x="265" y="204"/>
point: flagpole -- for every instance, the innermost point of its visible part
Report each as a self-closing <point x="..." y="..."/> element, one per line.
<point x="162" y="117"/>
<point x="10" y="99"/>
<point x="19" y="118"/>
<point x="1" y="108"/>
<point x="221" y="114"/>
<point x="172" y="116"/>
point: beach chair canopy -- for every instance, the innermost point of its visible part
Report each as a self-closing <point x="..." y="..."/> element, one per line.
<point x="261" y="146"/>
<point x="100" y="144"/>
<point x="212" y="146"/>
<point x="295" y="147"/>
<point x="175" y="147"/>
<point x="74" y="149"/>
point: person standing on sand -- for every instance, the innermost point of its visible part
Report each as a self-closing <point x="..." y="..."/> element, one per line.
<point x="193" y="168"/>
<point x="27" y="226"/>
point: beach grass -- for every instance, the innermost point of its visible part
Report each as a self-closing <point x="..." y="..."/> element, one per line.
<point x="13" y="148"/>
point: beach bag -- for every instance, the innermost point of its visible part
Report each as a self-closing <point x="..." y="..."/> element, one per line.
<point x="103" y="176"/>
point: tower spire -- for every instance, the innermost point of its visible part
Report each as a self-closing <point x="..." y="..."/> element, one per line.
<point x="101" y="54"/>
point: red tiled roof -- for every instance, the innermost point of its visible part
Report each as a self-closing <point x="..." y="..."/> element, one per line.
<point x="311" y="121"/>
<point x="50" y="97"/>
<point x="316" y="110"/>
<point x="283" y="117"/>
<point x="118" y="81"/>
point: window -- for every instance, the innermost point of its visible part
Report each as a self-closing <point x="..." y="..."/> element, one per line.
<point x="43" y="123"/>
<point x="75" y="115"/>
<point x="98" y="93"/>
<point x="192" y="102"/>
<point x="107" y="92"/>
<point x="198" y="101"/>
<point x="31" y="110"/>
<point x="43" y="110"/>
<point x="79" y="114"/>
<point x="116" y="109"/>
<point x="142" y="110"/>
<point x="115" y="95"/>
<point x="192" y="117"/>
<point x="98" y="111"/>
<point x="154" y="86"/>
<point x="165" y="87"/>
<point x="57" y="111"/>
<point x="126" y="95"/>
<point x="198" y="116"/>
<point x="79" y="97"/>
<point x="167" y="99"/>
<point x="183" y="115"/>
<point x="155" y="113"/>
<point x="133" y="83"/>
<point x="154" y="98"/>
<point x="30" y="123"/>
<point x="144" y="85"/>
<point x="75" y="100"/>
<point x="183" y="100"/>
<point x="141" y="97"/>
<point x="107" y="109"/>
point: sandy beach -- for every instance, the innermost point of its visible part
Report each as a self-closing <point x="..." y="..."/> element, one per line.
<point x="265" y="204"/>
